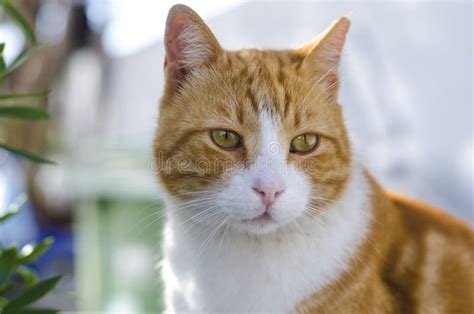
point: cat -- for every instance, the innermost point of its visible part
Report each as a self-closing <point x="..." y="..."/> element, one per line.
<point x="268" y="209"/>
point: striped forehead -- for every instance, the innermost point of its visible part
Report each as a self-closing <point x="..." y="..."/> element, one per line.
<point x="265" y="81"/>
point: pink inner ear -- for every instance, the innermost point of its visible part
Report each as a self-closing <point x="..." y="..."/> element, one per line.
<point x="175" y="71"/>
<point x="175" y="26"/>
<point x="188" y="42"/>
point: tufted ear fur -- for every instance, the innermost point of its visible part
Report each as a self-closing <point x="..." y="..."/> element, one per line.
<point x="323" y="54"/>
<point x="189" y="43"/>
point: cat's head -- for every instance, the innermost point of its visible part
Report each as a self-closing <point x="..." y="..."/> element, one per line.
<point x="250" y="139"/>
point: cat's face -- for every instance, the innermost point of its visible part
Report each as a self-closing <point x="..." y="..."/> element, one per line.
<point x="252" y="139"/>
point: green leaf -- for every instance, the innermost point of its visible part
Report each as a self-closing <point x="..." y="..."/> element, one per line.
<point x="2" y="64"/>
<point x="31" y="311"/>
<point x="3" y="302"/>
<point x="43" y="93"/>
<point x="31" y="295"/>
<point x="25" y="55"/>
<point x="7" y="264"/>
<point x="27" y="274"/>
<point x="7" y="216"/>
<point x="26" y="155"/>
<point x="23" y="112"/>
<point x="14" y="207"/>
<point x="38" y="250"/>
<point x="2" y="61"/>
<point x="20" y="20"/>
<point x="5" y="289"/>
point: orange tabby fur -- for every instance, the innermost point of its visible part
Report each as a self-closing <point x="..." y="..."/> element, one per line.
<point x="416" y="259"/>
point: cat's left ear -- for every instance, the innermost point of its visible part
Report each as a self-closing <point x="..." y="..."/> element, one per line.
<point x="323" y="54"/>
<point x="189" y="44"/>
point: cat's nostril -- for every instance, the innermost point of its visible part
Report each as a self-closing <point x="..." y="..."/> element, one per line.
<point x="258" y="190"/>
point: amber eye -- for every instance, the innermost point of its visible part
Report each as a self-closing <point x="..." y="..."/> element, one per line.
<point x="304" y="143"/>
<point x="225" y="139"/>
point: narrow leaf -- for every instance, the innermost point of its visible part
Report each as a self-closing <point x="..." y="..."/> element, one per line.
<point x="7" y="216"/>
<point x="43" y="93"/>
<point x="20" y="20"/>
<point x="23" y="112"/>
<point x="14" y="207"/>
<point x="2" y="64"/>
<point x="27" y="274"/>
<point x="7" y="264"/>
<point x="31" y="294"/>
<point x="3" y="302"/>
<point x="38" y="250"/>
<point x="2" y="61"/>
<point x="25" y="55"/>
<point x="26" y="155"/>
<point x="5" y="289"/>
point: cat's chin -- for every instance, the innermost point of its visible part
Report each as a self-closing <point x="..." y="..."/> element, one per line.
<point x="258" y="226"/>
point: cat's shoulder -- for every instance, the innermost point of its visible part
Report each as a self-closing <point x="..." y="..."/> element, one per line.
<point x="421" y="217"/>
<point x="430" y="246"/>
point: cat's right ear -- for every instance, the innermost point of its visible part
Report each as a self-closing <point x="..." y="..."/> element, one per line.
<point x="189" y="43"/>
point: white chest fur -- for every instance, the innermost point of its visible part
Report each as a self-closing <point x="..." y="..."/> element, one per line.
<point x="241" y="273"/>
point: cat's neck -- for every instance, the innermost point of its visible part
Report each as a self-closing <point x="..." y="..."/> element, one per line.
<point x="299" y="262"/>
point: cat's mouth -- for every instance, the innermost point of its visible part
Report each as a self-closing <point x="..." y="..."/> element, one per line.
<point x="266" y="217"/>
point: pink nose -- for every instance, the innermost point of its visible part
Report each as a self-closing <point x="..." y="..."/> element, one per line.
<point x="268" y="192"/>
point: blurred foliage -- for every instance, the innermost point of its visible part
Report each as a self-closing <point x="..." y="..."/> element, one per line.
<point x="19" y="285"/>
<point x="14" y="106"/>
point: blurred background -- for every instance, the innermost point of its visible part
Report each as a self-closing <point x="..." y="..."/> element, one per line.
<point x="407" y="78"/>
